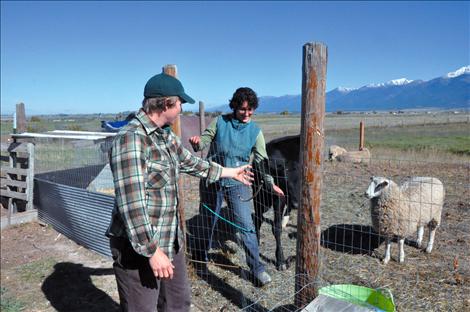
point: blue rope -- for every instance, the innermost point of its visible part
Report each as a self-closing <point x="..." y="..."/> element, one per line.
<point x="229" y="222"/>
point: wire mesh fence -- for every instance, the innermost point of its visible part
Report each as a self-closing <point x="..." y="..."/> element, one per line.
<point x="352" y="250"/>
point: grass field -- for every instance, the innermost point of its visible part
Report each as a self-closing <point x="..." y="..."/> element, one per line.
<point x="437" y="141"/>
<point x="440" y="136"/>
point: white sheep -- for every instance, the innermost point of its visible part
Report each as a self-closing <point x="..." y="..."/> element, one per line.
<point x="335" y="151"/>
<point x="401" y="210"/>
<point x="341" y="154"/>
<point x="362" y="156"/>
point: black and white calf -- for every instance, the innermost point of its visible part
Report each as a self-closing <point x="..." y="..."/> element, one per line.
<point x="284" y="167"/>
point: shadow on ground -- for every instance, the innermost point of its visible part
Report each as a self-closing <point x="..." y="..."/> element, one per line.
<point x="69" y="288"/>
<point x="349" y="238"/>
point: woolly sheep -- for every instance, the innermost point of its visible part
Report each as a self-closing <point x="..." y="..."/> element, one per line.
<point x="356" y="157"/>
<point x="401" y="210"/>
<point x="341" y="154"/>
<point x="335" y="151"/>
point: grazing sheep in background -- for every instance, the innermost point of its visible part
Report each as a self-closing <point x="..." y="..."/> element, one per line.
<point x="335" y="151"/>
<point x="401" y="210"/>
<point x="356" y="157"/>
<point x="341" y="154"/>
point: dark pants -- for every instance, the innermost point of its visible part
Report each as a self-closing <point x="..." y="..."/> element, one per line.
<point x="139" y="289"/>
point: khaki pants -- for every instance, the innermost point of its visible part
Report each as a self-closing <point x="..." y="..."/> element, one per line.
<point x="138" y="288"/>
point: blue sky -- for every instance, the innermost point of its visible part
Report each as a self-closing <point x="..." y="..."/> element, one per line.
<point x="91" y="57"/>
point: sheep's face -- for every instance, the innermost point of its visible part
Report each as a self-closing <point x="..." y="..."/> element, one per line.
<point x="377" y="186"/>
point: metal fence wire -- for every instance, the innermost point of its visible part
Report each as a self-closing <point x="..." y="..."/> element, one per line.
<point x="74" y="192"/>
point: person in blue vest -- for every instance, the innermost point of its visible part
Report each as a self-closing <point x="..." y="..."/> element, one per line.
<point x="236" y="140"/>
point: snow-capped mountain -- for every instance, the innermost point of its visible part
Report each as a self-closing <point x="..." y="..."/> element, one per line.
<point x="446" y="92"/>
<point x="395" y="82"/>
<point x="458" y="72"/>
<point x="449" y="91"/>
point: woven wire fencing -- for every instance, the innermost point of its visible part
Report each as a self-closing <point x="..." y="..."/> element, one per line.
<point x="351" y="253"/>
<point x="352" y="247"/>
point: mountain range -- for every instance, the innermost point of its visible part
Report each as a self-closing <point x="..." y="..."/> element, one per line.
<point x="446" y="92"/>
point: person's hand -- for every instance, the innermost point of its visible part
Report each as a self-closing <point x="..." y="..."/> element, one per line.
<point x="278" y="190"/>
<point x="195" y="140"/>
<point x="161" y="265"/>
<point x="242" y="174"/>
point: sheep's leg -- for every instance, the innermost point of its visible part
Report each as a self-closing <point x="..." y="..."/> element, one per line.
<point x="420" y="236"/>
<point x="387" y="251"/>
<point x="431" y="240"/>
<point x="402" y="250"/>
<point x="432" y="232"/>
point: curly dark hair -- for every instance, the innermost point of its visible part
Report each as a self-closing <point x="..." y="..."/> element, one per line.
<point x="241" y="95"/>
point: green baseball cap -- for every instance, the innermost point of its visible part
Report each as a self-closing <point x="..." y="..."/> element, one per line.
<point x="166" y="85"/>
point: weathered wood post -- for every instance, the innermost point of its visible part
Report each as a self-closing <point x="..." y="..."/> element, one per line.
<point x="176" y="127"/>
<point x="172" y="71"/>
<point x="17" y="180"/>
<point x="315" y="57"/>
<point x="30" y="177"/>
<point x="202" y="121"/>
<point x="20" y="118"/>
<point x="361" y="135"/>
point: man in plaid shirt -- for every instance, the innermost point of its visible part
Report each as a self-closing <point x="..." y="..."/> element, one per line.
<point x="145" y="238"/>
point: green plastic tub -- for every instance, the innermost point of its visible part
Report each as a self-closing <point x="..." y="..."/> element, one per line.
<point x="375" y="299"/>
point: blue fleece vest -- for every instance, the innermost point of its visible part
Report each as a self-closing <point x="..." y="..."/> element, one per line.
<point x="233" y="144"/>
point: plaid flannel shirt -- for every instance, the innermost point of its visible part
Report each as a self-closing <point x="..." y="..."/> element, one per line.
<point x="146" y="162"/>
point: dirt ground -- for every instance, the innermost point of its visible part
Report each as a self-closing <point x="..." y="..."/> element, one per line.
<point x="41" y="270"/>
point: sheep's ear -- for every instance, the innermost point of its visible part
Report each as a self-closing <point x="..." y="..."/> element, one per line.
<point x="380" y="186"/>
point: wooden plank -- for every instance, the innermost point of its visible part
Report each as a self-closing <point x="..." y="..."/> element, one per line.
<point x="20" y="118"/>
<point x="15" y="183"/>
<point x="312" y="140"/>
<point x="19" y="218"/>
<point x="106" y="134"/>
<point x="14" y="147"/>
<point x="11" y="194"/>
<point x="21" y="156"/>
<point x="30" y="178"/>
<point x="202" y="121"/>
<point x="18" y="171"/>
<point x="10" y="210"/>
<point x="58" y="136"/>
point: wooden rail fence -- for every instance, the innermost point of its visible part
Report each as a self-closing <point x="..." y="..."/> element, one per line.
<point x="17" y="181"/>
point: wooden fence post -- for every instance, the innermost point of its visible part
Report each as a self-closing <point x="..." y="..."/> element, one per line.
<point x="176" y="127"/>
<point x="171" y="70"/>
<point x="30" y="177"/>
<point x="315" y="57"/>
<point x="361" y="135"/>
<point x="202" y="120"/>
<point x="20" y="118"/>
